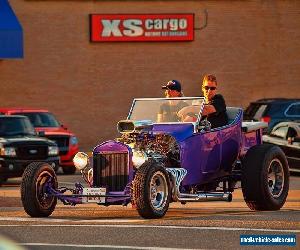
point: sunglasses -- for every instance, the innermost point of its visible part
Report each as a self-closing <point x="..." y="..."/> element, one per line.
<point x="211" y="88"/>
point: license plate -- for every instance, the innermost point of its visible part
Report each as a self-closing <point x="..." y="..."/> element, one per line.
<point x="92" y="192"/>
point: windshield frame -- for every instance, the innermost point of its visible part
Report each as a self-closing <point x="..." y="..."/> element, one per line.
<point x="172" y="99"/>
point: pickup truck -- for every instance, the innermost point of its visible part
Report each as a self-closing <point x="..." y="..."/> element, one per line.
<point x="20" y="146"/>
<point x="46" y="124"/>
<point x="155" y="163"/>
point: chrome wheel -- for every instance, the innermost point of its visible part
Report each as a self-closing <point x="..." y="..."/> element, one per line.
<point x="43" y="198"/>
<point x="158" y="190"/>
<point x="38" y="178"/>
<point x="151" y="190"/>
<point x="275" y="178"/>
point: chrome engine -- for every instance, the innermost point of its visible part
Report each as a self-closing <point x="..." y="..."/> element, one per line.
<point x="161" y="147"/>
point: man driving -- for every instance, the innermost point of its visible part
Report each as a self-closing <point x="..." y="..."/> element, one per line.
<point x="215" y="107"/>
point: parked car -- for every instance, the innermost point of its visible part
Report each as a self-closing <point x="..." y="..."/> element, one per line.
<point x="154" y="163"/>
<point x="273" y="111"/>
<point x="47" y="125"/>
<point x="287" y="136"/>
<point x="20" y="146"/>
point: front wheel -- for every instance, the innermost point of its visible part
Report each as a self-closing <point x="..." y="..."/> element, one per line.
<point x="37" y="178"/>
<point x="265" y="178"/>
<point x="151" y="190"/>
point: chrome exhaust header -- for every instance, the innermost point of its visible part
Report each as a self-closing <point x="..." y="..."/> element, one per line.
<point x="209" y="196"/>
<point x="178" y="175"/>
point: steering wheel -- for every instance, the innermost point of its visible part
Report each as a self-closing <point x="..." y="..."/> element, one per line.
<point x="189" y="117"/>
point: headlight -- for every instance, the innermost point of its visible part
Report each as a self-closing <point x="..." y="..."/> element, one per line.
<point x="81" y="160"/>
<point x="138" y="158"/>
<point x="52" y="150"/>
<point x="9" y="151"/>
<point x="73" y="140"/>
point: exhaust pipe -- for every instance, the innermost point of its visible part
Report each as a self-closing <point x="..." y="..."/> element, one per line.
<point x="177" y="175"/>
<point x="205" y="197"/>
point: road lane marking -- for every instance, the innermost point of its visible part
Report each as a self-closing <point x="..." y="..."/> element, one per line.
<point x="156" y="227"/>
<point x="21" y="219"/>
<point x="102" y="246"/>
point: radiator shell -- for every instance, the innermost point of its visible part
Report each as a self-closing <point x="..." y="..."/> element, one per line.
<point x="112" y="166"/>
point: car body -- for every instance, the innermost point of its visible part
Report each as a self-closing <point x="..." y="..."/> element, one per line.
<point x="47" y="125"/>
<point x="287" y="136"/>
<point x="273" y="111"/>
<point x="19" y="146"/>
<point x="154" y="163"/>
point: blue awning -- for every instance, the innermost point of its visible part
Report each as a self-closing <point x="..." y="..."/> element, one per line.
<point x="11" y="33"/>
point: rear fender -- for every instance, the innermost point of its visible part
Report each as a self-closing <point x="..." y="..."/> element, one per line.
<point x="251" y="136"/>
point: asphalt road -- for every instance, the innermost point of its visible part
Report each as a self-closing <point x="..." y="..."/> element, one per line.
<point x="206" y="225"/>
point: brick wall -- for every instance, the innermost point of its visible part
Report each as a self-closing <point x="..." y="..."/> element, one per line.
<point x="253" y="47"/>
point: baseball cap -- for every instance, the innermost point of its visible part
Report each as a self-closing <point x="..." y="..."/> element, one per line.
<point x="172" y="85"/>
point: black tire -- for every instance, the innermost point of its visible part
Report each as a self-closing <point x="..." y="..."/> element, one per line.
<point x="151" y="176"/>
<point x="35" y="200"/>
<point x="69" y="170"/>
<point x="265" y="177"/>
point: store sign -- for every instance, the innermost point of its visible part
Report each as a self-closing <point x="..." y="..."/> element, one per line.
<point x="138" y="27"/>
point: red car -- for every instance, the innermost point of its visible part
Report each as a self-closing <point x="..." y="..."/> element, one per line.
<point x="46" y="125"/>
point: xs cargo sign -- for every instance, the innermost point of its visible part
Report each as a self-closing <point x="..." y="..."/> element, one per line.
<point x="148" y="27"/>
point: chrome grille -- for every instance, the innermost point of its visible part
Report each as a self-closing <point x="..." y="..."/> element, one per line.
<point x="110" y="170"/>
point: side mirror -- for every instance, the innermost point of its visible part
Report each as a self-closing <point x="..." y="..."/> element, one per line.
<point x="41" y="133"/>
<point x="64" y="127"/>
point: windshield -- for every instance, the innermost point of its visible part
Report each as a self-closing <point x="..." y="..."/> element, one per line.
<point x="166" y="110"/>
<point x="11" y="126"/>
<point x="41" y="119"/>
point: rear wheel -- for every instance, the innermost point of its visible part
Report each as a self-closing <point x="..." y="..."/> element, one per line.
<point x="151" y="190"/>
<point x="37" y="178"/>
<point x="69" y="170"/>
<point x="265" y="178"/>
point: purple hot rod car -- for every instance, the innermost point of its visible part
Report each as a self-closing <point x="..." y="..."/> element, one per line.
<point x="155" y="163"/>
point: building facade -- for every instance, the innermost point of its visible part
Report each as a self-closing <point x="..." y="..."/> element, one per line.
<point x="253" y="47"/>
